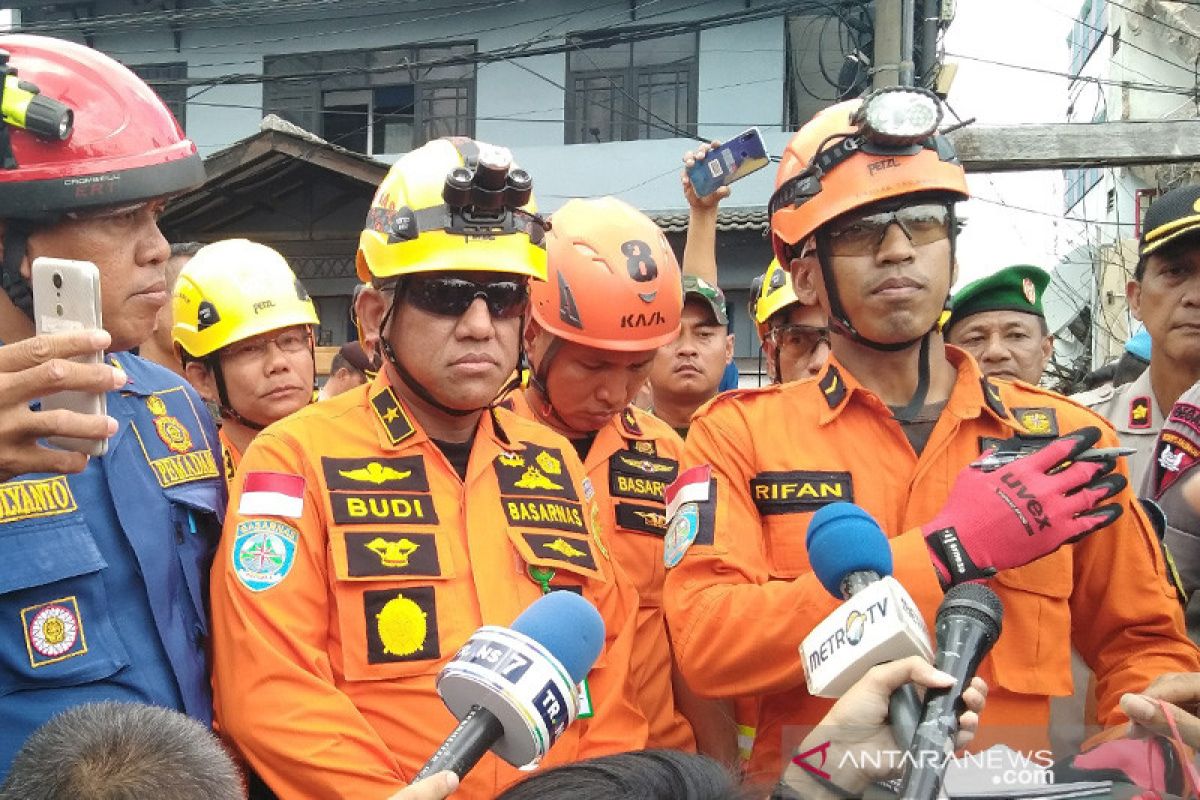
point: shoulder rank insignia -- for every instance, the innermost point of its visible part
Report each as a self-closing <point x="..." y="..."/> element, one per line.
<point x="1139" y="413"/>
<point x="991" y="397"/>
<point x="833" y="387"/>
<point x="392" y="416"/>
<point x="1038" y="421"/>
<point x="630" y="423"/>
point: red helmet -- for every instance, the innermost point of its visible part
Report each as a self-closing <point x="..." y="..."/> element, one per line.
<point x="125" y="147"/>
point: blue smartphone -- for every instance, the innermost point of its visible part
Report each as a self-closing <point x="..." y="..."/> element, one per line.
<point x="735" y="159"/>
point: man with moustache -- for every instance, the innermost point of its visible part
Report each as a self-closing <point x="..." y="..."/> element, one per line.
<point x="371" y="534"/>
<point x="1000" y="321"/>
<point x="243" y="333"/>
<point x="102" y="588"/>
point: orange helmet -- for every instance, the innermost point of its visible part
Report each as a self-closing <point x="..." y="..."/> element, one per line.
<point x="612" y="280"/>
<point x="837" y="163"/>
<point x="855" y="154"/>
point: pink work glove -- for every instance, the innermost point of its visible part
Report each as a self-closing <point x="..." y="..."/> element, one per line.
<point x="1023" y="510"/>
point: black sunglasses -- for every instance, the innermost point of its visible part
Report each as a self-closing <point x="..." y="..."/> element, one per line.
<point x="451" y="297"/>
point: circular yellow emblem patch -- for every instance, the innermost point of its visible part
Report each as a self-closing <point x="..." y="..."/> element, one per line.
<point x="402" y="626"/>
<point x="173" y="434"/>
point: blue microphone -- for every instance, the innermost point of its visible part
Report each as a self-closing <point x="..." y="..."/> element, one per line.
<point x="514" y="690"/>
<point x="852" y="558"/>
<point x="847" y="549"/>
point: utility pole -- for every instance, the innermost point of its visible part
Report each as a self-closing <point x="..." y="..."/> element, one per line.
<point x="885" y="61"/>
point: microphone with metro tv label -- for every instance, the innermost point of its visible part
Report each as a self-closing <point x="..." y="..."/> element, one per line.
<point x="968" y="624"/>
<point x="879" y="622"/>
<point x="514" y="689"/>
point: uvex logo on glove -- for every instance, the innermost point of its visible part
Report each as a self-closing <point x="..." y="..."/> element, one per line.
<point x="1021" y="496"/>
<point x="1026" y="509"/>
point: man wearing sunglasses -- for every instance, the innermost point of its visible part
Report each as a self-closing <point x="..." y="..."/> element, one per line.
<point x="105" y="556"/>
<point x="794" y="336"/>
<point x="863" y="215"/>
<point x="371" y="534"/>
<point x="243" y="333"/>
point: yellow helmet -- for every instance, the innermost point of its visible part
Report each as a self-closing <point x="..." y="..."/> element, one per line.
<point x="232" y="290"/>
<point x="453" y="204"/>
<point x="775" y="294"/>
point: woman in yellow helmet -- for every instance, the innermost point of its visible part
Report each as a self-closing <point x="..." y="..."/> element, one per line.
<point x="243" y="330"/>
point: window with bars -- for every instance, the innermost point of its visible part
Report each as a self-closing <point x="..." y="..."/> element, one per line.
<point x="629" y="90"/>
<point x="376" y="101"/>
<point x="166" y="80"/>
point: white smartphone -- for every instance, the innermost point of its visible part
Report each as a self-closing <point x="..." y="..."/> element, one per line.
<point x="66" y="297"/>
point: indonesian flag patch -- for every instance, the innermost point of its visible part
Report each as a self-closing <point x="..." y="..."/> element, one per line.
<point x="692" y="486"/>
<point x="272" y="494"/>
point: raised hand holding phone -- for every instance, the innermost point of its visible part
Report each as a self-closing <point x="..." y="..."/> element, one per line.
<point x="721" y="164"/>
<point x="66" y="299"/>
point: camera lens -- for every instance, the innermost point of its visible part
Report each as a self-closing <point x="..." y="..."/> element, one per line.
<point x="57" y="280"/>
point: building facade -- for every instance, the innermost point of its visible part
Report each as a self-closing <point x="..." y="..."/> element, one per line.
<point x="1129" y="60"/>
<point x="594" y="97"/>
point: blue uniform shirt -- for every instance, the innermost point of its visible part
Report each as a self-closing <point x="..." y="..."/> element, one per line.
<point x="104" y="574"/>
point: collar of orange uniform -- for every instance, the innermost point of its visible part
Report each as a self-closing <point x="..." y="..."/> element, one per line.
<point x="398" y="429"/>
<point x="971" y="396"/>
<point x="616" y="433"/>
<point x="974" y="394"/>
<point x="609" y="439"/>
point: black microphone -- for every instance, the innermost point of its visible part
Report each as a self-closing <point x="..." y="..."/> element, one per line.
<point x="515" y="689"/>
<point x="968" y="624"/>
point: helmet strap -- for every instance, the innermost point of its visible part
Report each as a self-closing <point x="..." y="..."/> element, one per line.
<point x="213" y="362"/>
<point x="16" y="242"/>
<point x="539" y="381"/>
<point x="916" y="403"/>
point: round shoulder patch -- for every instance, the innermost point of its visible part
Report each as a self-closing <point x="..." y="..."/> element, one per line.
<point x="681" y="532"/>
<point x="264" y="551"/>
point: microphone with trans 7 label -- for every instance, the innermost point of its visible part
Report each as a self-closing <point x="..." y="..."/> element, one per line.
<point x="514" y="690"/>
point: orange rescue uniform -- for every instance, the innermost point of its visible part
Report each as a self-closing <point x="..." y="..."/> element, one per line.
<point x="334" y="613"/>
<point x="744" y="596"/>
<point x="631" y="462"/>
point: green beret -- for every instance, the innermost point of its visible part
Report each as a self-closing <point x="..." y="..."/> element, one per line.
<point x="1018" y="288"/>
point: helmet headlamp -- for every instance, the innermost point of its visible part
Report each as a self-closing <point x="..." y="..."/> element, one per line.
<point x="898" y="116"/>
